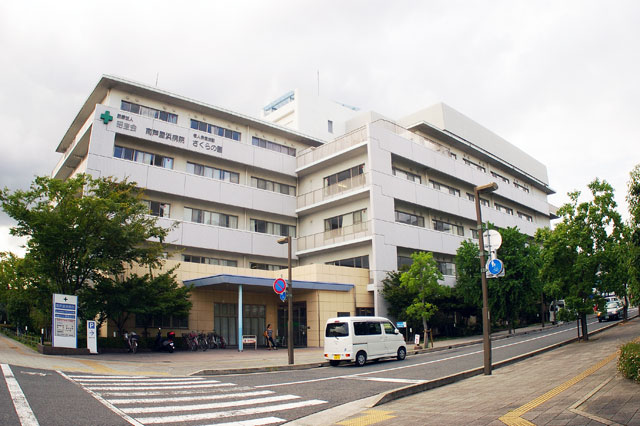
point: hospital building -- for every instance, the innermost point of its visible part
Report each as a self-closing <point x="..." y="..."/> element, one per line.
<point x="357" y="191"/>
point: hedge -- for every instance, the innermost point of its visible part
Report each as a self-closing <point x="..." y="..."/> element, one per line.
<point x="629" y="361"/>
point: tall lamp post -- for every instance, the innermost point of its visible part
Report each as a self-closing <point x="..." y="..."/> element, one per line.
<point x="485" y="296"/>
<point x="287" y="240"/>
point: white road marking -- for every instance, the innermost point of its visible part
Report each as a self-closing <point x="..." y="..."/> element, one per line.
<point x="132" y="384"/>
<point x="150" y="387"/>
<point x="33" y="373"/>
<point x="253" y="422"/>
<point x="106" y="403"/>
<point x="211" y="406"/>
<point x="385" y="379"/>
<point x="145" y="380"/>
<point x="23" y="409"/>
<point x="230" y="387"/>
<point x="231" y="413"/>
<point x="188" y="398"/>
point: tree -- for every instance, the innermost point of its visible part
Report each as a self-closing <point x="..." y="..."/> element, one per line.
<point x="633" y="252"/>
<point x="82" y="230"/>
<point x="422" y="279"/>
<point x="117" y="298"/>
<point x="519" y="290"/>
<point x="577" y="255"/>
<point x="509" y="296"/>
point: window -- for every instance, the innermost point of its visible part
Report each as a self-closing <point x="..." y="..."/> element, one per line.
<point x="352" y="262"/>
<point x="365" y="312"/>
<point x="446" y="268"/>
<point x="272" y="186"/>
<point x="263" y="143"/>
<point x="404" y="261"/>
<point x="337" y="329"/>
<point x="143" y="157"/>
<point x="453" y="155"/>
<point x="471" y="197"/>
<point x="409" y="219"/>
<point x="210" y="218"/>
<point x="503" y="209"/>
<point x="149" y="112"/>
<point x="209" y="260"/>
<point x="330" y="126"/>
<point x="499" y="176"/>
<point x="444" y="188"/>
<point x="407" y="175"/>
<point x="267" y="267"/>
<point x="213" y="173"/>
<point x="442" y="226"/>
<point x="344" y="175"/>
<point x="215" y="130"/>
<point x="472" y="164"/>
<point x="166" y="321"/>
<point x="521" y="187"/>
<point x="474" y="233"/>
<point x="158" y="209"/>
<point x="265" y="227"/>
<point x="483" y="201"/>
<point x="366" y="328"/>
<point x="345" y="220"/>
<point x="525" y="216"/>
<point x="388" y="328"/>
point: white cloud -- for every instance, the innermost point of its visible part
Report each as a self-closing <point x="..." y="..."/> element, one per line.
<point x="557" y="79"/>
<point x="9" y="243"/>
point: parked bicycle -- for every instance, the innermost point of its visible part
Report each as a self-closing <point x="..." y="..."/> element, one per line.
<point x="131" y="340"/>
<point x="203" y="343"/>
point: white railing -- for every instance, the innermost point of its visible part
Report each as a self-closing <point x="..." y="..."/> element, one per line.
<point x="311" y="155"/>
<point x="334" y="236"/>
<point x="332" y="191"/>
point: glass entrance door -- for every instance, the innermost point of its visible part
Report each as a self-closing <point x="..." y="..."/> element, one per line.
<point x="299" y="324"/>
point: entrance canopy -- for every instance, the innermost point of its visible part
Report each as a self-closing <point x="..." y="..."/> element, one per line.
<point x="222" y="279"/>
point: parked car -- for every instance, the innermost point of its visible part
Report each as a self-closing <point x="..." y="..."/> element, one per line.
<point x="611" y="311"/>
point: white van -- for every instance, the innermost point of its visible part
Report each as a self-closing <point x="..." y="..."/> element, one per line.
<point x="362" y="338"/>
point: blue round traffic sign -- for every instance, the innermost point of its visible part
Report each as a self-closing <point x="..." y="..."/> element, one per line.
<point x="495" y="266"/>
<point x="279" y="285"/>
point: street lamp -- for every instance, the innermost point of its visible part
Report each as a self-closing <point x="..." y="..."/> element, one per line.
<point x="483" y="189"/>
<point x="287" y="240"/>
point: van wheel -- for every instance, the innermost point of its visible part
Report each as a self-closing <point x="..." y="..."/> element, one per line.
<point x="361" y="358"/>
<point x="402" y="353"/>
<point x="334" y="362"/>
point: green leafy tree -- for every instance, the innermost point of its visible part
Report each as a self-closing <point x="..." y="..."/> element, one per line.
<point x="421" y="279"/>
<point x="633" y="236"/>
<point x="16" y="291"/>
<point x="519" y="290"/>
<point x="577" y="255"/>
<point x="116" y="299"/>
<point x="82" y="230"/>
<point x="468" y="281"/>
<point x="398" y="297"/>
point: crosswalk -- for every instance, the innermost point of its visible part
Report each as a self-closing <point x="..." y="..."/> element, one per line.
<point x="194" y="400"/>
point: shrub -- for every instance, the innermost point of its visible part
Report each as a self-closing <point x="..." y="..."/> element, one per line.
<point x="629" y="361"/>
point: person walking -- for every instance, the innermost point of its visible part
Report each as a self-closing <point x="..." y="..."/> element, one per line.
<point x="268" y="333"/>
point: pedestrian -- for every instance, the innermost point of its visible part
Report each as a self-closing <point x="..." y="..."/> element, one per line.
<point x="268" y="333"/>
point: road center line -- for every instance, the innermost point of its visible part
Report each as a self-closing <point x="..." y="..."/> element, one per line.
<point x="23" y="409"/>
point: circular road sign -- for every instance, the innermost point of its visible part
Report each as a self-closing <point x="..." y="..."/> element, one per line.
<point x="492" y="239"/>
<point x="495" y="266"/>
<point x="279" y="286"/>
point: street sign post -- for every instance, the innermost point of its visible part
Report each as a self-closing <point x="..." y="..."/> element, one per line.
<point x="279" y="286"/>
<point x="283" y="296"/>
<point x="495" y="268"/>
<point x="65" y="315"/>
<point x="492" y="240"/>
<point x="92" y="337"/>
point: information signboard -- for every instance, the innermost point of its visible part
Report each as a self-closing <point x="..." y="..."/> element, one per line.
<point x="92" y="337"/>
<point x="65" y="316"/>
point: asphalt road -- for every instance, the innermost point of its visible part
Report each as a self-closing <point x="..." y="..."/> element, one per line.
<point x="57" y="398"/>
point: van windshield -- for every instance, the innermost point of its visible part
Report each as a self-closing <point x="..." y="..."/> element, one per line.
<point x="337" y="329"/>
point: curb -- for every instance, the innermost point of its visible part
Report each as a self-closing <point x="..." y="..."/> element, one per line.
<point x="431" y="384"/>
<point x="260" y="369"/>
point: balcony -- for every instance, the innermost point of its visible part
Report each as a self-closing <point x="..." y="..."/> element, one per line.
<point x="335" y="237"/>
<point x="338" y="190"/>
<point x="343" y="143"/>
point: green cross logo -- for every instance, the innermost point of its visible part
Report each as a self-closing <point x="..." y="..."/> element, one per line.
<point x="106" y="117"/>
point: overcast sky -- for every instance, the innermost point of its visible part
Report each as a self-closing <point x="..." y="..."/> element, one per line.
<point x="558" y="79"/>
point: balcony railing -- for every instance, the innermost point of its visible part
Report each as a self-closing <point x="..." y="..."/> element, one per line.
<point x="311" y="155"/>
<point x="407" y="134"/>
<point x="335" y="236"/>
<point x="332" y="191"/>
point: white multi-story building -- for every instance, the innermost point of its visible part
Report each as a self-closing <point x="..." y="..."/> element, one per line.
<point x="357" y="192"/>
